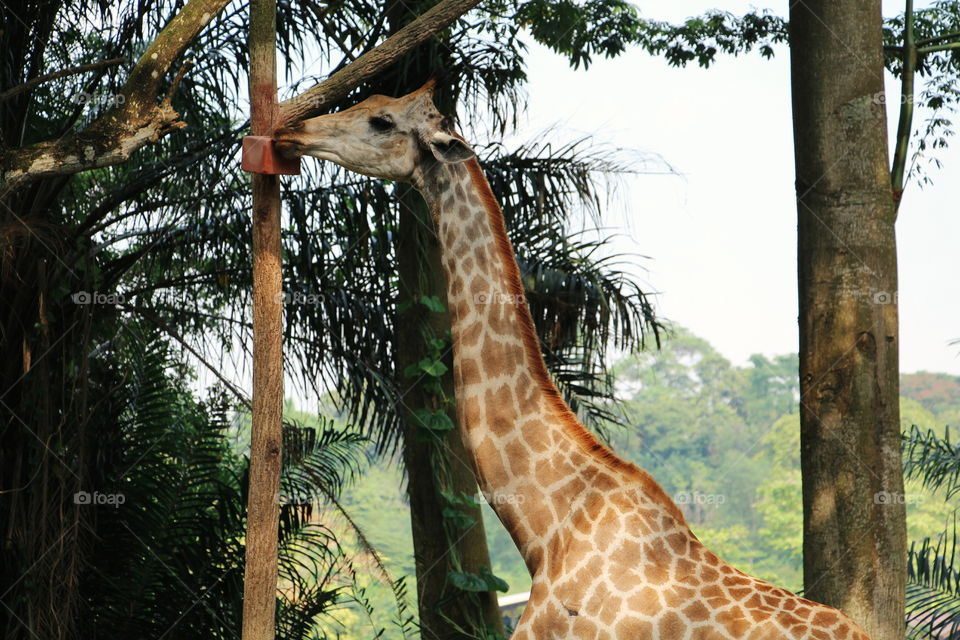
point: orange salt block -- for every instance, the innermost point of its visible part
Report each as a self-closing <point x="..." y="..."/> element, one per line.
<point x="260" y="156"/>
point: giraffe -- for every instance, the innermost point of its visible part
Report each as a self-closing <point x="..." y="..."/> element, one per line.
<point x="610" y="554"/>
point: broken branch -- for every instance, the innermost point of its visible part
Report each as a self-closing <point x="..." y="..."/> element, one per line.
<point x="135" y="120"/>
<point x="324" y="95"/>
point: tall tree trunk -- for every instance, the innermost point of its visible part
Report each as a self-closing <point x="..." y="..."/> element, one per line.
<point x="266" y="439"/>
<point x="437" y="463"/>
<point x="854" y="516"/>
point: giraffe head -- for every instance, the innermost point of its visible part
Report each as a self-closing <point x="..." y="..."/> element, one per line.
<point x="391" y="138"/>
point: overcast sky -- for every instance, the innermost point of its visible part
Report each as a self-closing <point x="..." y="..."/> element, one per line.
<point x="721" y="238"/>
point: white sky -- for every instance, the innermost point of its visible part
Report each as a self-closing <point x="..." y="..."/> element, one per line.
<point x="722" y="238"/>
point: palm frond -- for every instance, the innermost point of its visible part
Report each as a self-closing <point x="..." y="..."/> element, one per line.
<point x="933" y="459"/>
<point x="170" y="558"/>
<point x="933" y="588"/>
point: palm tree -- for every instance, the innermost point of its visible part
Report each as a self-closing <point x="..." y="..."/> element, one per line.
<point x="88" y="258"/>
<point x="168" y="557"/>
<point x="933" y="565"/>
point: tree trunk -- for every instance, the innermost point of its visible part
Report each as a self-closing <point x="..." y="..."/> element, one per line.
<point x="266" y="440"/>
<point x="437" y="463"/>
<point x="854" y="516"/>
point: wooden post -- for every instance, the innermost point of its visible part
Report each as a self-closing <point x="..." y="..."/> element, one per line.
<point x="263" y="508"/>
<point x="260" y="158"/>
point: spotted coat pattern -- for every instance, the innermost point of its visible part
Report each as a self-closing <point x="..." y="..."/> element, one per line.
<point x="610" y="553"/>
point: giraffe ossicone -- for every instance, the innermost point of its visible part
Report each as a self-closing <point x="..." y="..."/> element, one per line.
<point x="610" y="554"/>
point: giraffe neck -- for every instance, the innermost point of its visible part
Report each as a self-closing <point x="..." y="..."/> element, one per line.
<point x="533" y="459"/>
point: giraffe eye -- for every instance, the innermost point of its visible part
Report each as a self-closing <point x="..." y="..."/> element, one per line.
<point x="446" y="123"/>
<point x="381" y="124"/>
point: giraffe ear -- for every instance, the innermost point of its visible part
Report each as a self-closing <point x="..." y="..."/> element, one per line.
<point x="449" y="149"/>
<point x="428" y="87"/>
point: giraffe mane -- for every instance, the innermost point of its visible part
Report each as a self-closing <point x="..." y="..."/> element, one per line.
<point x="588" y="442"/>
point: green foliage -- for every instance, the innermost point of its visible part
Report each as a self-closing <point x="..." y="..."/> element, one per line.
<point x="936" y="392"/>
<point x="936" y="31"/>
<point x="933" y="589"/>
<point x="484" y="581"/>
<point x="169" y="559"/>
<point x="433" y="421"/>
<point x="689" y="382"/>
<point x="580" y="30"/>
<point x="933" y="459"/>
<point x="433" y="303"/>
<point x="781" y="508"/>
<point x="702" y="38"/>
<point x="780" y="497"/>
<point x="933" y="579"/>
<point x="177" y="540"/>
<point x="607" y="27"/>
<point x="721" y="440"/>
<point x="724" y="441"/>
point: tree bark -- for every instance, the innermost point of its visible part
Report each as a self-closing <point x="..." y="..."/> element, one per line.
<point x="139" y="120"/>
<point x="854" y="515"/>
<point x="266" y="447"/>
<point x="135" y="120"/>
<point x="319" y="98"/>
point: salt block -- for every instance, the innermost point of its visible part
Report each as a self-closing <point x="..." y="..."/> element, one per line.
<point x="260" y="156"/>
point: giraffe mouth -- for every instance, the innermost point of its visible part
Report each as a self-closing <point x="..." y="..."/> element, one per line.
<point x="294" y="149"/>
<point x="287" y="147"/>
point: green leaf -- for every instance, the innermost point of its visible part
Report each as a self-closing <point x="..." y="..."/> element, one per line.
<point x="433" y="387"/>
<point x="467" y="581"/>
<point x="486" y="581"/>
<point x="433" y="303"/>
<point x="421" y="417"/>
<point x="464" y="498"/>
<point x="433" y="420"/>
<point x="440" y="421"/>
<point x="459" y="519"/>
<point x="433" y="367"/>
<point x="493" y="582"/>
